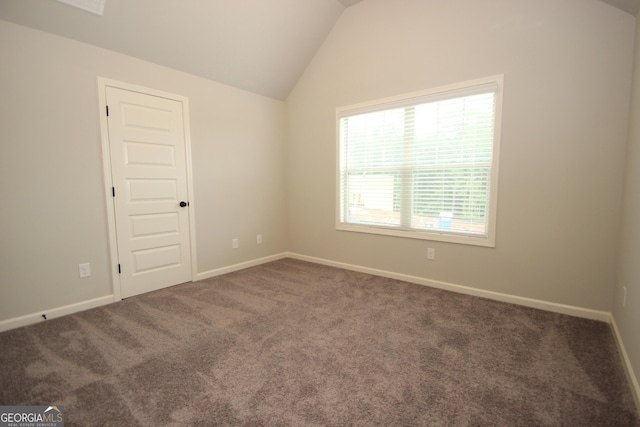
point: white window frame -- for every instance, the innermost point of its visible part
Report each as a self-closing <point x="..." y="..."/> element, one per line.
<point x="495" y="82"/>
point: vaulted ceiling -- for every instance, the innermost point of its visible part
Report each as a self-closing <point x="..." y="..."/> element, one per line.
<point x="629" y="6"/>
<point x="262" y="46"/>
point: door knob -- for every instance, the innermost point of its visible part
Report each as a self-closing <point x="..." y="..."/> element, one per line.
<point x="183" y="204"/>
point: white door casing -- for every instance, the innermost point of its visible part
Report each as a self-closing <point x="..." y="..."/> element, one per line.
<point x="147" y="176"/>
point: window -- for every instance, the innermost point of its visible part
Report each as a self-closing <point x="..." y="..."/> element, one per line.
<point x="422" y="165"/>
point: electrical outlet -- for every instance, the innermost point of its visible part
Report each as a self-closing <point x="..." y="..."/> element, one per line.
<point x="259" y="239"/>
<point x="431" y="254"/>
<point x="235" y="244"/>
<point x="84" y="270"/>
<point x="624" y="296"/>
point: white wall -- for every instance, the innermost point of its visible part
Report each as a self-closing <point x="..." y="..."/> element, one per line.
<point x="627" y="318"/>
<point x="567" y="72"/>
<point x="53" y="210"/>
<point x="567" y="67"/>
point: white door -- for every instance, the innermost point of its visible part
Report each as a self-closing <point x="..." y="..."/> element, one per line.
<point x="147" y="148"/>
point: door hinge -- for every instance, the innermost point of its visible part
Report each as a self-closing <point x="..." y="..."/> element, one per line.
<point x="119" y="270"/>
<point x="107" y="111"/>
<point x="113" y="191"/>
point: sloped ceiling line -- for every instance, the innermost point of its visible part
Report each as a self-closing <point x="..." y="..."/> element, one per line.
<point x="262" y="46"/>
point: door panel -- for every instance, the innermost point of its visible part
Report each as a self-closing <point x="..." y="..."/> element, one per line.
<point x="148" y="154"/>
<point x="148" y="163"/>
<point x="160" y="224"/>
<point x="156" y="259"/>
<point x="149" y="190"/>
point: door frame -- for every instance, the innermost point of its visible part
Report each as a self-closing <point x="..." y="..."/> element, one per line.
<point x="103" y="83"/>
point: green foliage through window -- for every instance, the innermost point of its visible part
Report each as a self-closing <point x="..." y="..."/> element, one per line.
<point x="423" y="164"/>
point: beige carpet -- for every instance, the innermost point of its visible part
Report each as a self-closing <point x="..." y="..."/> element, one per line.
<point x="299" y="344"/>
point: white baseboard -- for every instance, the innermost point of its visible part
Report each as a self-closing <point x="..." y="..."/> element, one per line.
<point x="52" y="313"/>
<point x="240" y="266"/>
<point x="631" y="376"/>
<point x="30" y="319"/>
<point x="603" y="316"/>
<point x="527" y="302"/>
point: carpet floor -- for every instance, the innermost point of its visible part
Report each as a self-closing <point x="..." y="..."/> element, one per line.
<point x="299" y="344"/>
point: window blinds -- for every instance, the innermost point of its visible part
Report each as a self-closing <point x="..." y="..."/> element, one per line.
<point x="420" y="163"/>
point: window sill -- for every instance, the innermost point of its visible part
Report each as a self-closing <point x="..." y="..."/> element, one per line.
<point x="438" y="236"/>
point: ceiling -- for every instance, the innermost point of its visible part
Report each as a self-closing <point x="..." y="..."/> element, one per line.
<point x="629" y="6"/>
<point x="262" y="46"/>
